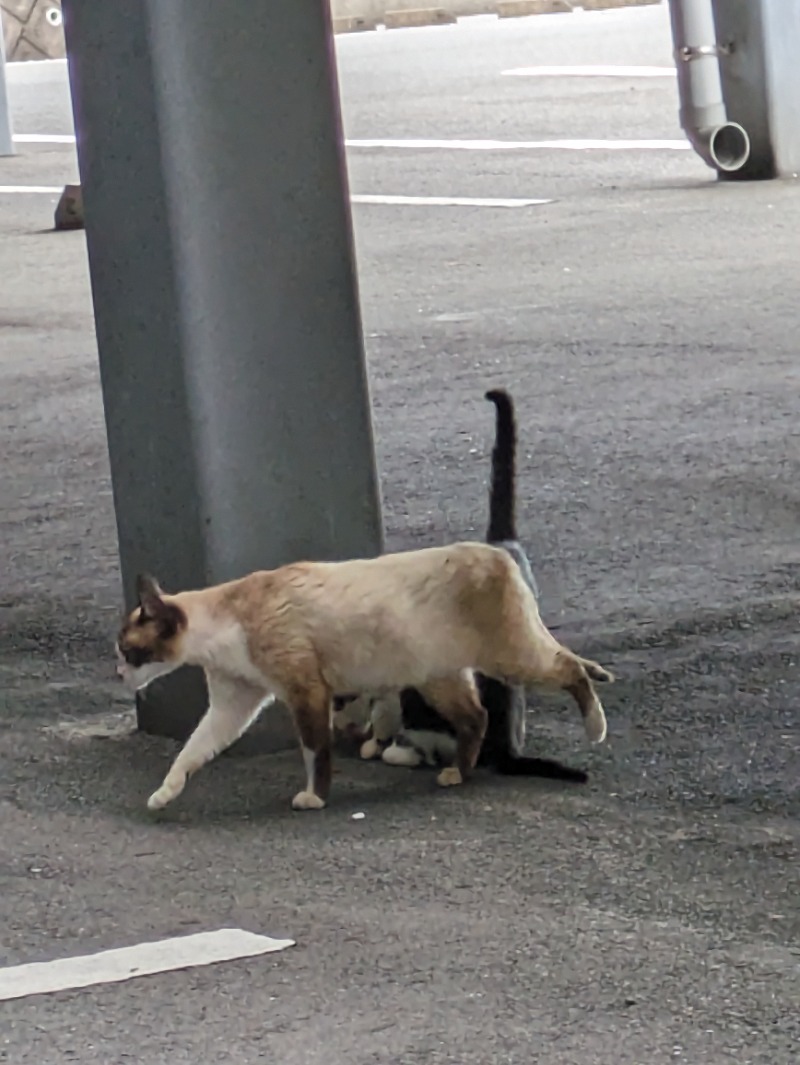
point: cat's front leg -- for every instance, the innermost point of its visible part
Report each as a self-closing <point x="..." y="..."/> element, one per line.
<point x="370" y="748"/>
<point x="233" y="706"/>
<point x="310" y="706"/>
<point x="352" y="718"/>
<point x="385" y="722"/>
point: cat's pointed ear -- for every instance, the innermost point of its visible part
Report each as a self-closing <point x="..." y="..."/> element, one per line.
<point x="149" y="595"/>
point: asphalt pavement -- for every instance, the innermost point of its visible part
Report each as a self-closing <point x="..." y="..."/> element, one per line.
<point x="646" y="321"/>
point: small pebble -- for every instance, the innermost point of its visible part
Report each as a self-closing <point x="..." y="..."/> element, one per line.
<point x="357" y="817"/>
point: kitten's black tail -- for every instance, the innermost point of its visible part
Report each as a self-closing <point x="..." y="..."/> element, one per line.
<point x="509" y="766"/>
<point x="502" y="517"/>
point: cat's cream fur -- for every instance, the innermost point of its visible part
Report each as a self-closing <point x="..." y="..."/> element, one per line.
<point x="312" y="630"/>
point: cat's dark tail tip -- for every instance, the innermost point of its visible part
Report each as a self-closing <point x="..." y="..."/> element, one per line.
<point x="539" y="767"/>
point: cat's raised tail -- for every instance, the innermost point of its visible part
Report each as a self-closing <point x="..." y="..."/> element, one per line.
<point x="502" y="491"/>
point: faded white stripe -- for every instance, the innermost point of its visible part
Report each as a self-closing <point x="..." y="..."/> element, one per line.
<point x="446" y="201"/>
<point x="590" y="72"/>
<point x="31" y="188"/>
<point x="127" y="963"/>
<point x="394" y="201"/>
<point x="573" y="145"/>
<point x="523" y="146"/>
<point x="44" y="138"/>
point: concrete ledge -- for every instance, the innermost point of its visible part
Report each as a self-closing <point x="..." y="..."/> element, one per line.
<point x="602" y="5"/>
<point x="375" y="10"/>
<point x="411" y="13"/>
<point x="353" y="24"/>
<point x="520" y="8"/>
<point x="423" y="16"/>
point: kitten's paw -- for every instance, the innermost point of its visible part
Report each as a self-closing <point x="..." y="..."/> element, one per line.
<point x="307" y="800"/>
<point x="595" y="725"/>
<point x="450" y="777"/>
<point x="370" y="749"/>
<point x="403" y="756"/>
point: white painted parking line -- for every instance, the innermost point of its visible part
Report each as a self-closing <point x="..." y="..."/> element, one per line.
<point x="127" y="963"/>
<point x="457" y="145"/>
<point x="44" y="138"/>
<point x="393" y="201"/>
<point x="524" y="146"/>
<point x="570" y="145"/>
<point x="446" y="201"/>
<point x="590" y="72"/>
<point x="31" y="188"/>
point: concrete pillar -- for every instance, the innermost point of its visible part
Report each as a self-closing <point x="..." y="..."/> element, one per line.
<point x="6" y="141"/>
<point x="761" y="80"/>
<point x="220" y="246"/>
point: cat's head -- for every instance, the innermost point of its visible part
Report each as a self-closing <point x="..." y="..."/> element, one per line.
<point x="149" y="644"/>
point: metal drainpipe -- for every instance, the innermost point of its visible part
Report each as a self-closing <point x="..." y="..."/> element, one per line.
<point x="723" y="145"/>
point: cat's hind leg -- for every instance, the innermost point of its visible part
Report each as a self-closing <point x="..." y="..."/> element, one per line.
<point x="557" y="667"/>
<point x="456" y="699"/>
<point x="570" y="674"/>
<point x="233" y="706"/>
<point x="594" y="718"/>
<point x="516" y="647"/>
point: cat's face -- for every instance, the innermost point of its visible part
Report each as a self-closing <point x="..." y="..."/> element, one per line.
<point x="149" y="642"/>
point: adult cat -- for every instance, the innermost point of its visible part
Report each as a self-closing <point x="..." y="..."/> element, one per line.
<point x="308" y="631"/>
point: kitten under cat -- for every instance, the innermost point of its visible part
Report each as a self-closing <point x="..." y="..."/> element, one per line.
<point x="404" y="729"/>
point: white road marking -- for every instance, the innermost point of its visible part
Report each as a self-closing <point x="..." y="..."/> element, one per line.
<point x="32" y="68"/>
<point x="31" y="188"/>
<point x="590" y="72"/>
<point x="126" y="963"/>
<point x="524" y="146"/>
<point x="445" y="201"/>
<point x="394" y="201"/>
<point x="44" y="138"/>
<point x="456" y="145"/>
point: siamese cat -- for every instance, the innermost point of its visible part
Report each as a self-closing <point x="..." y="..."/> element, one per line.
<point x="404" y="729"/>
<point x="306" y="632"/>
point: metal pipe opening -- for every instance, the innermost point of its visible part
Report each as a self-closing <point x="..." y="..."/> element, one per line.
<point x="722" y="144"/>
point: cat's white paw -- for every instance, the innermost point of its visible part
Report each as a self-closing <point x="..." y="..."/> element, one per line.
<point x="165" y="794"/>
<point x="370" y="749"/>
<point x="595" y="725"/>
<point x="402" y="756"/>
<point x="450" y="777"/>
<point x="307" y="800"/>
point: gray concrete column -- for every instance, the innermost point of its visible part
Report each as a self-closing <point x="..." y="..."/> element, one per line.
<point x="220" y="246"/>
<point x="6" y="140"/>
<point x="760" y="72"/>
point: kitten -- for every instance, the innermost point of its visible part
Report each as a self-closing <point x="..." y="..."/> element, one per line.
<point x="309" y="631"/>
<point x="405" y="730"/>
